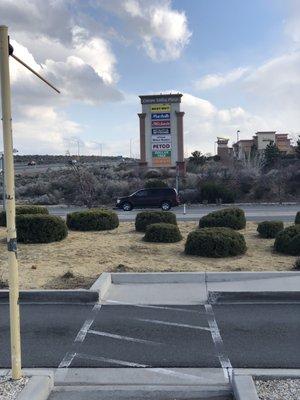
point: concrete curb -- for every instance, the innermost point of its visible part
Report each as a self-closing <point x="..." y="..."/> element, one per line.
<point x="157" y="277"/>
<point x="102" y="284"/>
<point x="119" y="278"/>
<point x="244" y="387"/>
<point x="128" y="392"/>
<point x="39" y="387"/>
<point x="259" y="296"/>
<point x="49" y="296"/>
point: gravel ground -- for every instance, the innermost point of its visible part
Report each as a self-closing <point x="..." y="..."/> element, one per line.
<point x="278" y="389"/>
<point x="9" y="389"/>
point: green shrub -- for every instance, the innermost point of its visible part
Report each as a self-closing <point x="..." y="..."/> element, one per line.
<point x="162" y="233"/>
<point x="24" y="210"/>
<point x="269" y="229"/>
<point x="92" y="220"/>
<point x="297" y="218"/>
<point x="214" y="192"/>
<point x="155" y="183"/>
<point x="288" y="241"/>
<point x="228" y="217"/>
<point x="145" y="218"/>
<point x="296" y="265"/>
<point x="215" y="242"/>
<point x="40" y="228"/>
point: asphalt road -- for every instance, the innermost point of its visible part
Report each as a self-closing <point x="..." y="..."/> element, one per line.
<point x="259" y="212"/>
<point x="254" y="336"/>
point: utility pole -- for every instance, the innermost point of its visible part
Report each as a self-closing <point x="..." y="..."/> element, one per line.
<point x="10" y="207"/>
<point x="3" y="179"/>
<point x="6" y="50"/>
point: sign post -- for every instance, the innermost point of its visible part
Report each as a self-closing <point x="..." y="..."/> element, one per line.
<point x="10" y="207"/>
<point x="6" y="50"/>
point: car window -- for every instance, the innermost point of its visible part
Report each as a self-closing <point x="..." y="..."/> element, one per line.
<point x="141" y="193"/>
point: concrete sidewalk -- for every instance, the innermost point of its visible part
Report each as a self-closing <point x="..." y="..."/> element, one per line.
<point x="189" y="287"/>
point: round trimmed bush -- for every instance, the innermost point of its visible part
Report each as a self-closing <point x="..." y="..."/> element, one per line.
<point x="24" y="210"/>
<point x="297" y="218"/>
<point x="145" y="218"/>
<point x="288" y="241"/>
<point x="162" y="233"/>
<point x="92" y="220"/>
<point x="215" y="242"/>
<point x="228" y="217"/>
<point x="269" y="229"/>
<point x="40" y="228"/>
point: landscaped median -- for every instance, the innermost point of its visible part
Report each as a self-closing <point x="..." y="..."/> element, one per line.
<point x="78" y="260"/>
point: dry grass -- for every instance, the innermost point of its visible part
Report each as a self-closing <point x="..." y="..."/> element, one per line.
<point x="87" y="254"/>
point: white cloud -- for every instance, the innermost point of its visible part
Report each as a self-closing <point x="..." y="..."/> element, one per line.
<point x="292" y="24"/>
<point x="203" y="122"/>
<point x="162" y="31"/>
<point x="212" y="81"/>
<point x="45" y="135"/>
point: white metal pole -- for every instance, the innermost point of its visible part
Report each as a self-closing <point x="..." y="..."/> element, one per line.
<point x="10" y="207"/>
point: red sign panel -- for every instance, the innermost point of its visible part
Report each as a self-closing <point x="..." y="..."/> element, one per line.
<point x="160" y="123"/>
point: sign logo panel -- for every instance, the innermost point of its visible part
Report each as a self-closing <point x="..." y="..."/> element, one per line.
<point x="161" y="146"/>
<point x="161" y="139"/>
<point x="160" y="116"/>
<point x="161" y="158"/>
<point x="161" y="108"/>
<point x="161" y="131"/>
<point x="160" y="123"/>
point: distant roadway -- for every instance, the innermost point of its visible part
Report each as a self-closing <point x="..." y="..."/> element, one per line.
<point x="254" y="212"/>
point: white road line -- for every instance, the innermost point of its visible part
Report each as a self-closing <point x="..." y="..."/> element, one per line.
<point x="153" y="306"/>
<point x="69" y="357"/>
<point x="111" y="360"/>
<point x="155" y="321"/>
<point x="218" y="342"/>
<point x="128" y="338"/>
<point x="66" y="361"/>
<point x="87" y="324"/>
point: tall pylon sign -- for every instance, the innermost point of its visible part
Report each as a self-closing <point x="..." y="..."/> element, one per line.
<point x="161" y="132"/>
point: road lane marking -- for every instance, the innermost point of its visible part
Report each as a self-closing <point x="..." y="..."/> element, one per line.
<point x="218" y="342"/>
<point x="81" y="335"/>
<point x="66" y="361"/>
<point x="153" y="306"/>
<point x="87" y="324"/>
<point x="111" y="360"/>
<point x="155" y="321"/>
<point x="128" y="338"/>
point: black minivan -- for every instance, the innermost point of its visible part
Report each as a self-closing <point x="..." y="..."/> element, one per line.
<point x="154" y="197"/>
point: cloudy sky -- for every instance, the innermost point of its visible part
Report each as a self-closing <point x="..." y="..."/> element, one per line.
<point x="236" y="62"/>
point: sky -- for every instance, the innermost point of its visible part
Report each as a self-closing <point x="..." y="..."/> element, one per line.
<point x="236" y="62"/>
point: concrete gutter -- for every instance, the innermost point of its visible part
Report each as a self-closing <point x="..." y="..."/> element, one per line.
<point x="48" y="296"/>
<point x="259" y="296"/>
<point x="150" y="383"/>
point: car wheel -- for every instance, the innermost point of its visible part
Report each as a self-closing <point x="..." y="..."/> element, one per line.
<point x="165" y="206"/>
<point x="127" y="206"/>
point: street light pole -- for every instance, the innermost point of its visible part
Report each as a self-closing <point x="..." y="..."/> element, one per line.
<point x="10" y="207"/>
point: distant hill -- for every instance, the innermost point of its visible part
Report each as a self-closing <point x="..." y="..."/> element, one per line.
<point x="63" y="159"/>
